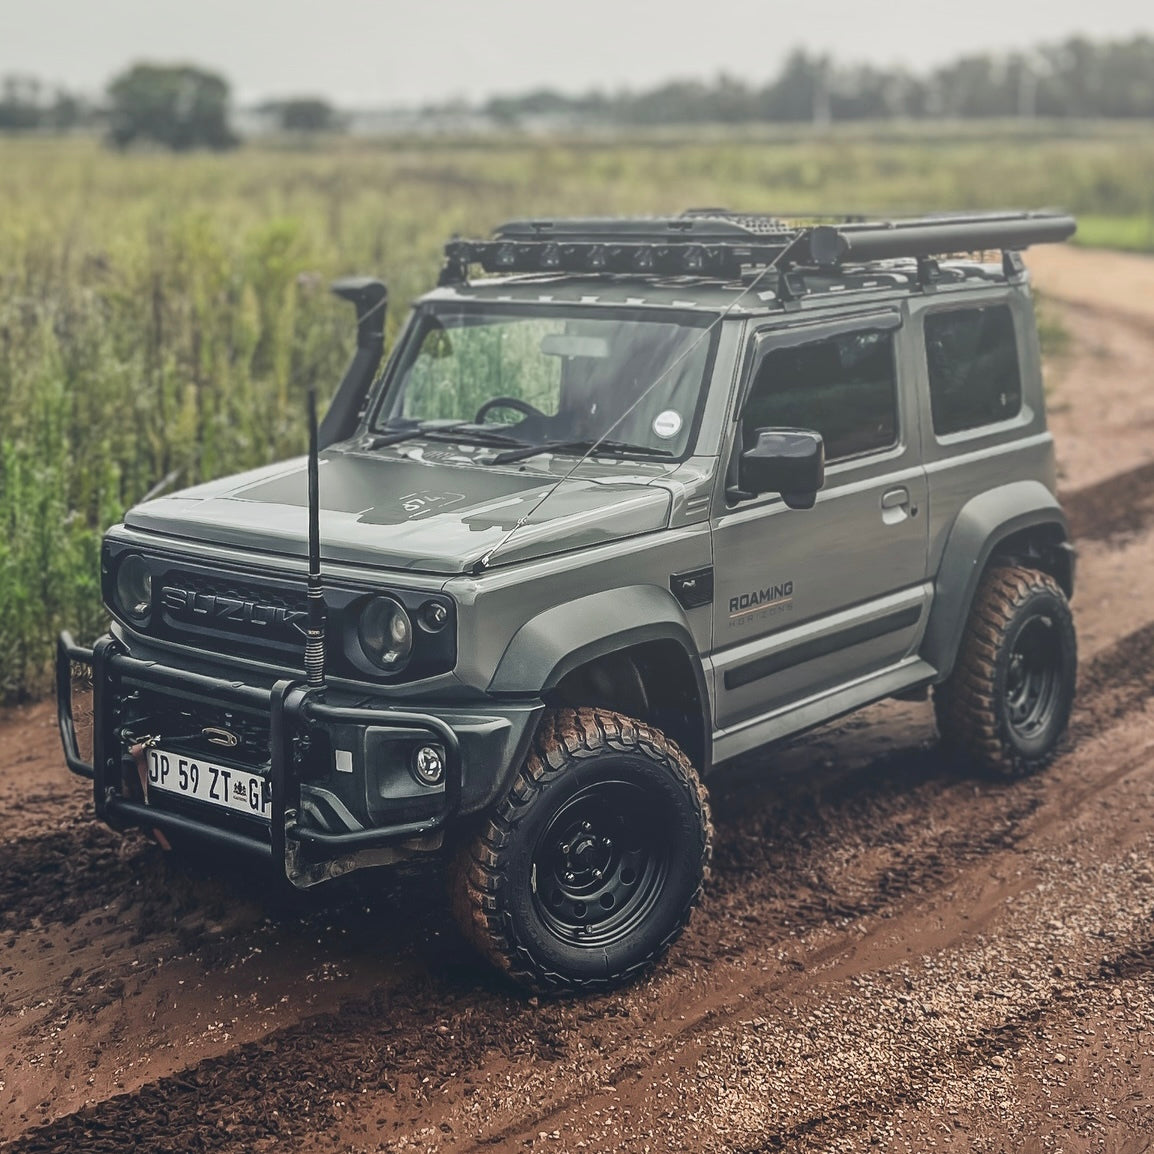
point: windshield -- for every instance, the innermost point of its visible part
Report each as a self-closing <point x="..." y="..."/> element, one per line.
<point x="553" y="379"/>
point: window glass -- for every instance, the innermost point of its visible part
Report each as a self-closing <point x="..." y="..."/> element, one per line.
<point x="973" y="367"/>
<point x="457" y="366"/>
<point x="843" y="387"/>
<point x="587" y="375"/>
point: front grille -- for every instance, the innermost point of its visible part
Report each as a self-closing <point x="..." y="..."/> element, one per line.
<point x="260" y="617"/>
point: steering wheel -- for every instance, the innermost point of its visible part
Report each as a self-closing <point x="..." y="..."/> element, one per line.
<point x="506" y="403"/>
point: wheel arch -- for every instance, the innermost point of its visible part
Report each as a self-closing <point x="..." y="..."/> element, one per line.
<point x="1018" y="523"/>
<point x="633" y="643"/>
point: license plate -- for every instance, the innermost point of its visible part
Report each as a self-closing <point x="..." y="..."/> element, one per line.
<point x="221" y="785"/>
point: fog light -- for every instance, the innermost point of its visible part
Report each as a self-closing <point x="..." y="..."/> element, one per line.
<point x="429" y="764"/>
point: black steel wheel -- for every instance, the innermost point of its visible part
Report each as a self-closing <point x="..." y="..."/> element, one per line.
<point x="1007" y="703"/>
<point x="1033" y="678"/>
<point x="591" y="865"/>
<point x="600" y="865"/>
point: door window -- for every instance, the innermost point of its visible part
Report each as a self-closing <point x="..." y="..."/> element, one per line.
<point x="973" y="368"/>
<point x="843" y="387"/>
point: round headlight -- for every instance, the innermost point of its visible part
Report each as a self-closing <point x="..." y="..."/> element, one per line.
<point x="134" y="587"/>
<point x="386" y="633"/>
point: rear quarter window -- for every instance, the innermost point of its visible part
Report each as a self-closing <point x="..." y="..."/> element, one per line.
<point x="975" y="379"/>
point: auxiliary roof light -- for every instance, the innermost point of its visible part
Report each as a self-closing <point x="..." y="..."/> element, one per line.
<point x="693" y="259"/>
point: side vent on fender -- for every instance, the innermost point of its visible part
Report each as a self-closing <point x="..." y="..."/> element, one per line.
<point x="693" y="589"/>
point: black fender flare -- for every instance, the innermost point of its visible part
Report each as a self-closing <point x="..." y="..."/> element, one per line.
<point x="567" y="636"/>
<point x="981" y="526"/>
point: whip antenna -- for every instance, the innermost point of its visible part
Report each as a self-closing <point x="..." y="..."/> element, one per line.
<point x="315" y="631"/>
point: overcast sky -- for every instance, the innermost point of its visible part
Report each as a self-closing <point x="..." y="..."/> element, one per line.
<point x="403" y="52"/>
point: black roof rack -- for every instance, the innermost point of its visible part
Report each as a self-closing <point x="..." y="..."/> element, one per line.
<point x="722" y="244"/>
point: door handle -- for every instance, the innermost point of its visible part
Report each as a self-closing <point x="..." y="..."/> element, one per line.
<point x="894" y="498"/>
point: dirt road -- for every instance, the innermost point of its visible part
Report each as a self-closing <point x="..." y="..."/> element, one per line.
<point x="890" y="956"/>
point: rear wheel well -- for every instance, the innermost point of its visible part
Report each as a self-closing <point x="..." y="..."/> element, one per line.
<point x="1043" y="547"/>
<point x="652" y="682"/>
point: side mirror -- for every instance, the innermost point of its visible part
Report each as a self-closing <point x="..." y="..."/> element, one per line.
<point x="786" y="461"/>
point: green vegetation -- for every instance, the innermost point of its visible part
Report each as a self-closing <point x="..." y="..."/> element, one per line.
<point x="162" y="316"/>
<point x="1131" y="233"/>
<point x="179" y="107"/>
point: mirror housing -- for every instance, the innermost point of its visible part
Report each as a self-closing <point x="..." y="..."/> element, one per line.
<point x="790" y="462"/>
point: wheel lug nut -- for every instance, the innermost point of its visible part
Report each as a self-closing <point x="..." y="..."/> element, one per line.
<point x="565" y="849"/>
<point x="569" y="875"/>
<point x="607" y="842"/>
<point x="597" y="875"/>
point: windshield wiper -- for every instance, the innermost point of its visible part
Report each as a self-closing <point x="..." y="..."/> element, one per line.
<point x="592" y="448"/>
<point x="463" y="433"/>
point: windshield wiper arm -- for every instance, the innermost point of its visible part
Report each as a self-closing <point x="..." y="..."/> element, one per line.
<point x="468" y="435"/>
<point x="464" y="432"/>
<point x="592" y="448"/>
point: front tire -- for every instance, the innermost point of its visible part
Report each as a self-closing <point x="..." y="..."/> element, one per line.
<point x="590" y="866"/>
<point x="1007" y="703"/>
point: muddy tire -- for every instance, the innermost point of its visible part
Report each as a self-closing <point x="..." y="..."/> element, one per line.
<point x="588" y="869"/>
<point x="1004" y="708"/>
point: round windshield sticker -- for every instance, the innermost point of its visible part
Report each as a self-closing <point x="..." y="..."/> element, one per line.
<point x="667" y="424"/>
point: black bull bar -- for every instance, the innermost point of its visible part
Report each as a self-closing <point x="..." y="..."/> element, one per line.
<point x="292" y="708"/>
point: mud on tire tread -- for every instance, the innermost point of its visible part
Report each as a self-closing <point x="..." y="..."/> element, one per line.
<point x="965" y="705"/>
<point x="564" y="738"/>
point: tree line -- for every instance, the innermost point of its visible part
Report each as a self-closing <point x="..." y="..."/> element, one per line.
<point x="1077" y="78"/>
<point x="179" y="107"/>
<point x="183" y="107"/>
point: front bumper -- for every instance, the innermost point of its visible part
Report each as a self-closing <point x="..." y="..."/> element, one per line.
<point x="303" y="729"/>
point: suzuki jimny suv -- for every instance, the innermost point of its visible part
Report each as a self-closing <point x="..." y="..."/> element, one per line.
<point x="649" y="495"/>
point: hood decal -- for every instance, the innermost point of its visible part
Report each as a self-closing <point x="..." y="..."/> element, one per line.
<point x="424" y="502"/>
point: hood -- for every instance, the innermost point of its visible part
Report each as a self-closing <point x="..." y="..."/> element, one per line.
<point x="410" y="512"/>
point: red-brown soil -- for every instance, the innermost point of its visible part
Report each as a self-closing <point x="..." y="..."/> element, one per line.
<point x="890" y="956"/>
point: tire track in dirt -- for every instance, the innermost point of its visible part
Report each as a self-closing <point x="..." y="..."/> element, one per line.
<point x="996" y="1042"/>
<point x="1065" y="994"/>
<point x="853" y="997"/>
<point x="1112" y="509"/>
<point x="742" y="990"/>
<point x="811" y="830"/>
<point x="306" y="1071"/>
<point x="58" y="876"/>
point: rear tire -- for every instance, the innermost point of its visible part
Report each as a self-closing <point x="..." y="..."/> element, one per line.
<point x="1006" y="705"/>
<point x="588" y="869"/>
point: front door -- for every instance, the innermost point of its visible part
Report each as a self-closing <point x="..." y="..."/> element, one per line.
<point x="809" y="600"/>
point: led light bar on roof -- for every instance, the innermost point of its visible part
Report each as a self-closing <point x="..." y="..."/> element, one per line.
<point x="686" y="259"/>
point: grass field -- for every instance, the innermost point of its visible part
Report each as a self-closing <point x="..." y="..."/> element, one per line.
<point x="161" y="317"/>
